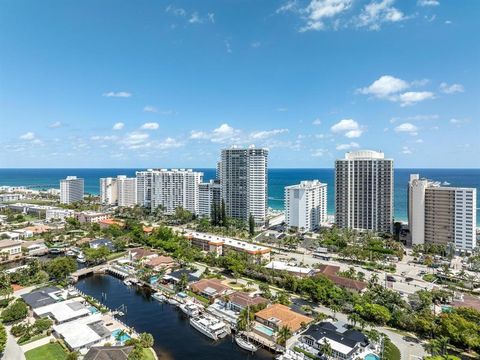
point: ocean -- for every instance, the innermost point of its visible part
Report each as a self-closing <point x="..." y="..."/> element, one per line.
<point x="277" y="180"/>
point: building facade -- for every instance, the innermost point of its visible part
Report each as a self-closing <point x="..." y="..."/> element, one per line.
<point x="364" y="191"/>
<point x="441" y="215"/>
<point x="244" y="185"/>
<point x="209" y="195"/>
<point x="144" y="187"/>
<point x="108" y="191"/>
<point x="176" y="188"/>
<point x="306" y="205"/>
<point x="71" y="190"/>
<point x="126" y="191"/>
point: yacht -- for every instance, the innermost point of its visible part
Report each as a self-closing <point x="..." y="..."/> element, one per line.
<point x="127" y="282"/>
<point x="81" y="258"/>
<point x="159" y="297"/>
<point x="245" y="344"/>
<point x="70" y="253"/>
<point x="173" y="301"/>
<point x="209" y="326"/>
<point x="190" y="308"/>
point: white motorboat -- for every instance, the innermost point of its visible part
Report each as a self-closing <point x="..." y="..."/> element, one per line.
<point x="127" y="282"/>
<point x="159" y="297"/>
<point x="70" y="253"/>
<point x="173" y="301"/>
<point x="190" y="309"/>
<point x="81" y="258"/>
<point x="209" y="326"/>
<point x="245" y="344"/>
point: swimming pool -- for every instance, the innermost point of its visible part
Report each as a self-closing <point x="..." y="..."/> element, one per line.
<point x="122" y="338"/>
<point x="266" y="330"/>
<point x="371" y="357"/>
<point x="93" y="310"/>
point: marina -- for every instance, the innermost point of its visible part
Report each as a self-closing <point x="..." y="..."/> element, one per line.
<point x="174" y="337"/>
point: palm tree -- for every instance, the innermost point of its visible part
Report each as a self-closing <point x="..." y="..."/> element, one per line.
<point x="353" y="318"/>
<point x="335" y="309"/>
<point x="443" y="342"/>
<point x="373" y="280"/>
<point x="120" y="335"/>
<point x="326" y="349"/>
<point x="283" y="335"/>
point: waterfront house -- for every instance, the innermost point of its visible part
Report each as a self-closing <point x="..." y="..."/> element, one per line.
<point x="42" y="297"/>
<point x="97" y="243"/>
<point x="240" y="300"/>
<point x="294" y="270"/>
<point x="138" y="254"/>
<point x="63" y="311"/>
<point x="35" y="248"/>
<point x="159" y="263"/>
<point x="175" y="276"/>
<point x="83" y="333"/>
<point x="10" y="250"/>
<point x="346" y="343"/>
<point x="210" y="288"/>
<point x="108" y="353"/>
<point x="271" y="319"/>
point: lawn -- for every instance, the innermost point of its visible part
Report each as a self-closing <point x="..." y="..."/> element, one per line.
<point x="148" y="355"/>
<point x="199" y="297"/>
<point x="391" y="352"/>
<point x="49" y="351"/>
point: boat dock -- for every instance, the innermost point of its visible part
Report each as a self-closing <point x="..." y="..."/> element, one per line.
<point x="100" y="269"/>
<point x="259" y="340"/>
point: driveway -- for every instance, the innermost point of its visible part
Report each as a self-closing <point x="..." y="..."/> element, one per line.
<point x="12" y="349"/>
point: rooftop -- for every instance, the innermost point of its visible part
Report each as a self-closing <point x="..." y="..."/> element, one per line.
<point x="279" y="265"/>
<point x="64" y="310"/>
<point x="9" y="243"/>
<point x="310" y="184"/>
<point x="211" y="287"/>
<point x="234" y="243"/>
<point x="41" y="297"/>
<point x="244" y="299"/>
<point x="282" y="315"/>
<point x="108" y="353"/>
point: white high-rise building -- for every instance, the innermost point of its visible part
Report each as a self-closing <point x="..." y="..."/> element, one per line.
<point x="209" y="195"/>
<point x="243" y="177"/>
<point x="127" y="191"/>
<point x="71" y="190"/>
<point x="108" y="191"/>
<point x="306" y="205"/>
<point x="441" y="215"/>
<point x="144" y="187"/>
<point x="364" y="191"/>
<point x="176" y="188"/>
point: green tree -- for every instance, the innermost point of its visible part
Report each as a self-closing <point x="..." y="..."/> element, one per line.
<point x="223" y="214"/>
<point x="17" y="311"/>
<point x="325" y="348"/>
<point x="251" y="225"/>
<point x="3" y="338"/>
<point x="283" y="335"/>
<point x="182" y="283"/>
<point x="60" y="267"/>
<point x="98" y="255"/>
<point x="146" y="340"/>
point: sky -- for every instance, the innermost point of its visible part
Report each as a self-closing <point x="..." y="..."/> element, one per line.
<point x="151" y="83"/>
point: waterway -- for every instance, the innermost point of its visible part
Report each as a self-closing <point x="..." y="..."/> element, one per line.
<point x="174" y="337"/>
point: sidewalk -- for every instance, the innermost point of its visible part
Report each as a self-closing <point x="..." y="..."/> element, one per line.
<point x="37" y="343"/>
<point x="12" y="349"/>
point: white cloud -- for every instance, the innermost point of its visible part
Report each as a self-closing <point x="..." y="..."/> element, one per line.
<point x="448" y="22"/>
<point x="150" y="126"/>
<point x="428" y="2"/>
<point x="412" y="97"/>
<point x="419" y="141"/>
<point x="228" y="47"/>
<point x="290" y="5"/>
<point x="55" y="125"/>
<point x="120" y="94"/>
<point x="175" y="11"/>
<point x="211" y="17"/>
<point x="136" y="140"/>
<point x="223" y="134"/>
<point x="195" y="19"/>
<point x="352" y="145"/>
<point x="256" y="44"/>
<point x="318" y="11"/>
<point x="103" y="138"/>
<point x="349" y="127"/>
<point x="267" y="133"/>
<point x="118" y="126"/>
<point x="28" y="136"/>
<point x="424" y="117"/>
<point x="282" y="109"/>
<point x="150" y="108"/>
<point x="168" y="143"/>
<point x="406" y="150"/>
<point x="451" y="89"/>
<point x="316" y="122"/>
<point x="407" y="128"/>
<point x="377" y="12"/>
<point x="319" y="152"/>
<point x="385" y="86"/>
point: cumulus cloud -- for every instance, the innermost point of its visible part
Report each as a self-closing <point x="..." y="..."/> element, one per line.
<point x="55" y="125"/>
<point x="119" y="94"/>
<point x="150" y="126"/>
<point x="103" y="138"/>
<point x="316" y="122"/>
<point x="407" y="128"/>
<point x="451" y="89"/>
<point x="412" y="97"/>
<point x="168" y="143"/>
<point x="406" y="150"/>
<point x="319" y="152"/>
<point x="136" y="140"/>
<point x="352" y="145"/>
<point x="267" y="133"/>
<point x="393" y="89"/>
<point x="223" y="134"/>
<point x="150" y="108"/>
<point x="377" y="12"/>
<point x="319" y="11"/>
<point x="118" y="126"/>
<point x="28" y="136"/>
<point x="348" y="127"/>
<point x="428" y="2"/>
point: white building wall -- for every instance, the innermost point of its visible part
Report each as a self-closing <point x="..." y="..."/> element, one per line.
<point x="108" y="191"/>
<point x="465" y="218"/>
<point x="416" y="208"/>
<point x="127" y="191"/>
<point x="71" y="190"/>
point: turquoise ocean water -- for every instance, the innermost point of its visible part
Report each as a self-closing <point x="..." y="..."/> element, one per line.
<point x="277" y="180"/>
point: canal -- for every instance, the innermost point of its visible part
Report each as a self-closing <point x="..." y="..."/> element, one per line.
<point x="174" y="337"/>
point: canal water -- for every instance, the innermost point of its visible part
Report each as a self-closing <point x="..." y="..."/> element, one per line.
<point x="174" y="337"/>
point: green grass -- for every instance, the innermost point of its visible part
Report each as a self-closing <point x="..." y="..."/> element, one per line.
<point x="33" y="338"/>
<point x="199" y="297"/>
<point x="148" y="355"/>
<point x="391" y="352"/>
<point x="49" y="351"/>
<point x="429" y="277"/>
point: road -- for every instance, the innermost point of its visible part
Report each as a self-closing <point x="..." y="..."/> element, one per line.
<point x="12" y="349"/>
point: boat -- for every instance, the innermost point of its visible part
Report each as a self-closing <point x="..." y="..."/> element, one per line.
<point x="245" y="344"/>
<point x="445" y="183"/>
<point x="173" y="301"/>
<point x="190" y="309"/>
<point x="55" y="251"/>
<point x="81" y="258"/>
<point x="127" y="282"/>
<point x="159" y="297"/>
<point x="70" y="253"/>
<point x="209" y="326"/>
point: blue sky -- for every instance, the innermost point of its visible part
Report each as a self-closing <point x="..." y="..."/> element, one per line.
<point x="123" y="83"/>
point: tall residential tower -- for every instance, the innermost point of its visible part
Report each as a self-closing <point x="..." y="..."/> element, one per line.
<point x="71" y="190"/>
<point x="364" y="191"/>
